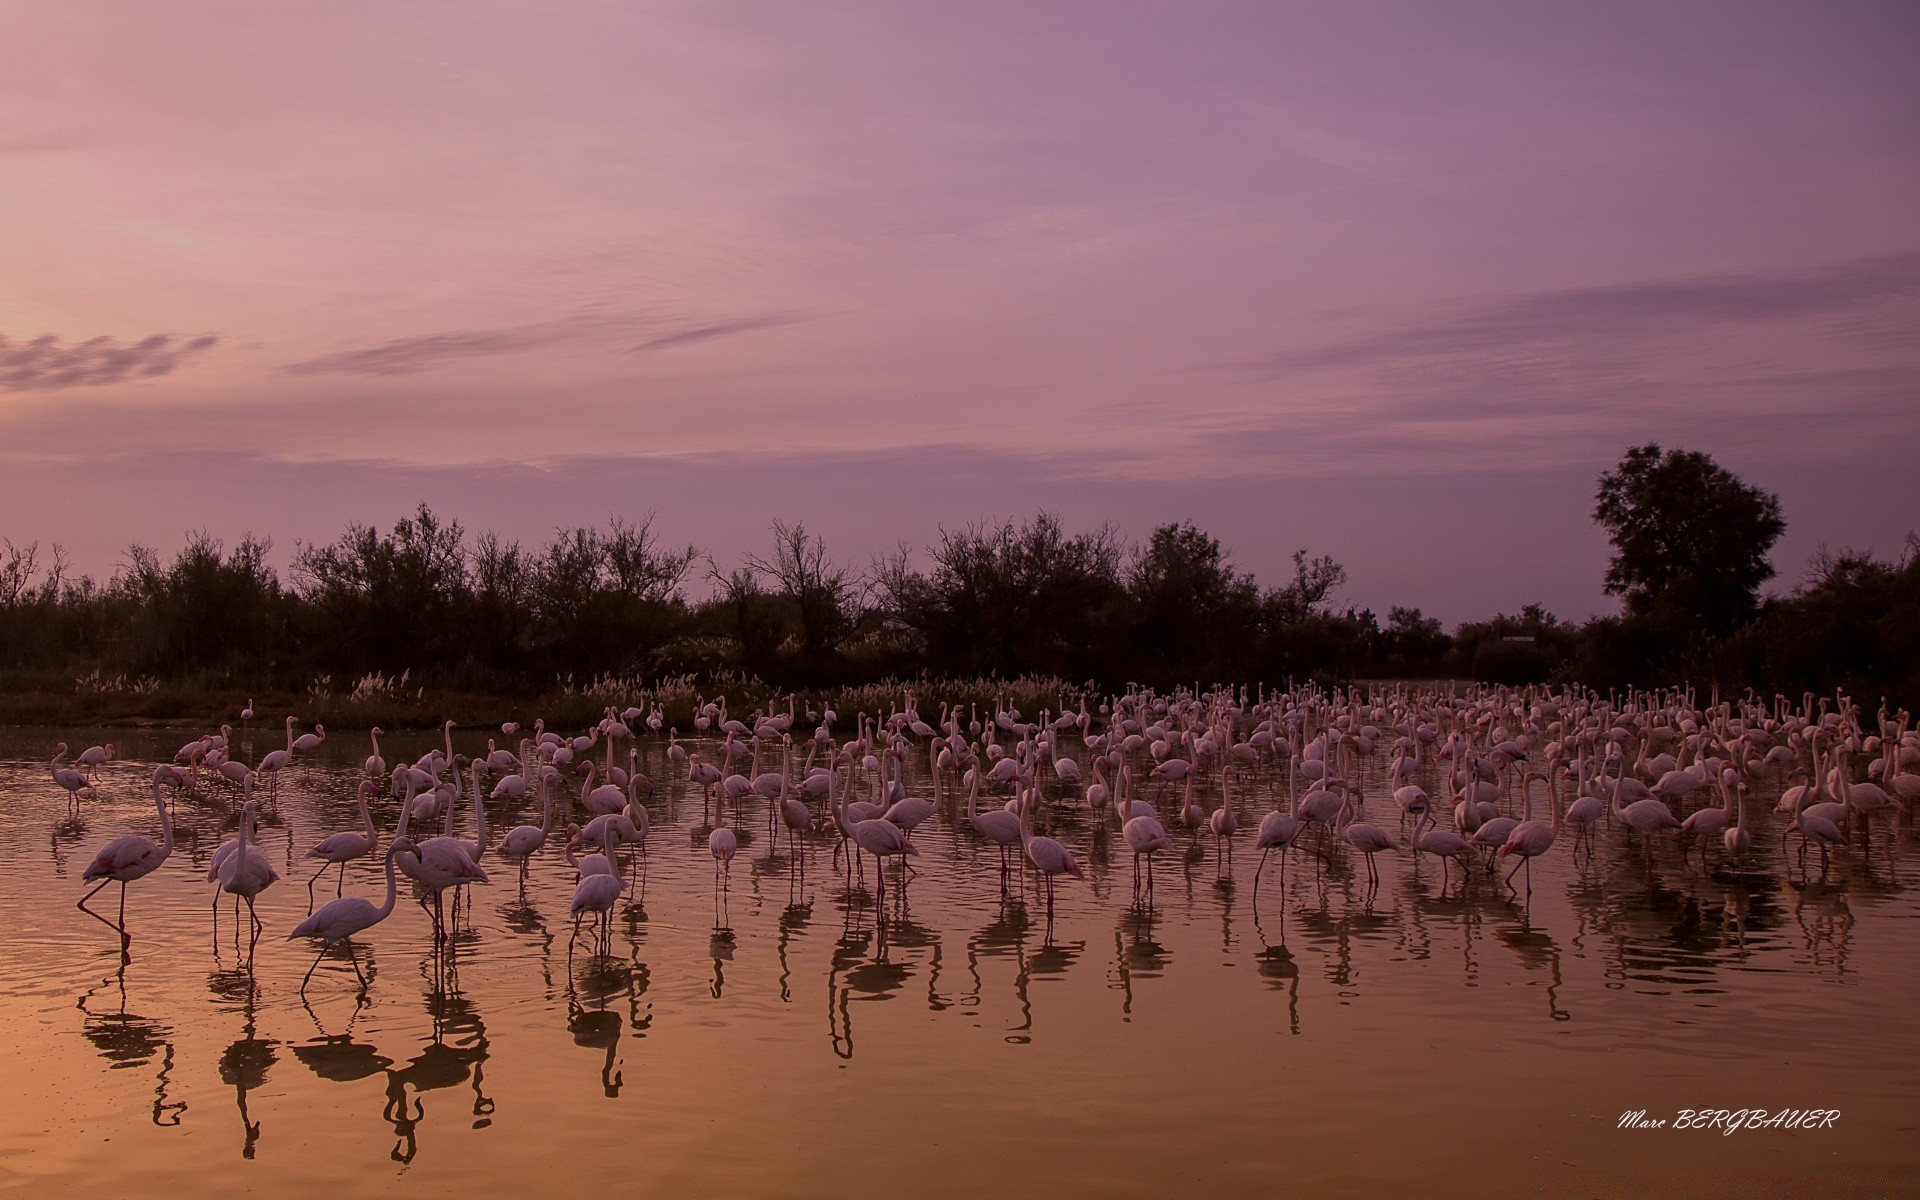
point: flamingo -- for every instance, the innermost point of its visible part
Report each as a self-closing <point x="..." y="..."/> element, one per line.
<point x="442" y="862"/>
<point x="1737" y="840"/>
<point x="127" y="858"/>
<point x="344" y="847"/>
<point x="1225" y="823"/>
<point x="1646" y="816"/>
<point x="1531" y="838"/>
<point x="376" y="765"/>
<point x="1047" y="855"/>
<point x="339" y="919"/>
<point x="909" y="811"/>
<point x="997" y="825"/>
<point x="1367" y="839"/>
<point x="595" y="893"/>
<point x="275" y="761"/>
<point x="878" y="837"/>
<point x="311" y="741"/>
<point x="1277" y="831"/>
<point x="246" y="872"/>
<point x="524" y="841"/>
<point x="1145" y="835"/>
<point x="93" y="757"/>
<point x="74" y="782"/>
<point x="722" y="844"/>
<point x="1442" y="843"/>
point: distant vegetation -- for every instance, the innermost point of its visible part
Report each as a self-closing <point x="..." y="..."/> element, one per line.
<point x="377" y="620"/>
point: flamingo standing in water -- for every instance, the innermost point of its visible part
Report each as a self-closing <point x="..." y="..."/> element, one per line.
<point x="1444" y="844"/>
<point x="596" y="893"/>
<point x="879" y="837"/>
<point x="1531" y="838"/>
<point x="130" y="857"/>
<point x="997" y="825"/>
<point x="723" y="845"/>
<point x="344" y="847"/>
<point x="1047" y="855"/>
<point x="338" y="920"/>
<point x="524" y="841"/>
<point x="1277" y="831"/>
<point x="247" y="873"/>
<point x="1225" y="823"/>
<point x="1367" y="839"/>
<point x="276" y="761"/>
<point x="72" y="781"/>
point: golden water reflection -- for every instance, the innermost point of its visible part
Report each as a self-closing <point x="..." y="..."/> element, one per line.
<point x="734" y="1030"/>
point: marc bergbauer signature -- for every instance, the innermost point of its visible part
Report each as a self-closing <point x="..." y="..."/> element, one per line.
<point x="1728" y="1121"/>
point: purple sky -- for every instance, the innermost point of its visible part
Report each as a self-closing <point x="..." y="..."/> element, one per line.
<point x="1391" y="283"/>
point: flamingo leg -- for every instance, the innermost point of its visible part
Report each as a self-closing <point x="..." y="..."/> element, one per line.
<point x="312" y="969"/>
<point x="120" y="928"/>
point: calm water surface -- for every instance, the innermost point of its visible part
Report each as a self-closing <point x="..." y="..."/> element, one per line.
<point x="1429" y="1039"/>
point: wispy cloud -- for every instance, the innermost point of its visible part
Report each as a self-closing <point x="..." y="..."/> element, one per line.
<point x="1521" y="323"/>
<point x="408" y="355"/>
<point x="46" y="363"/>
<point x="716" y="329"/>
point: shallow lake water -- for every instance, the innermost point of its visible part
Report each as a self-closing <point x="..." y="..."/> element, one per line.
<point x="1430" y="1037"/>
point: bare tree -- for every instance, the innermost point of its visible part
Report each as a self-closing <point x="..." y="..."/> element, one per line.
<point x="821" y="593"/>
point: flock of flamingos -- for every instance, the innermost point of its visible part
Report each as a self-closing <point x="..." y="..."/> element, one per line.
<point x="1290" y="768"/>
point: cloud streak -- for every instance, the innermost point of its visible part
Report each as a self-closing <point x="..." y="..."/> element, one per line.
<point x="46" y="363"/>
<point x="1616" y="311"/>
<point x="426" y="352"/>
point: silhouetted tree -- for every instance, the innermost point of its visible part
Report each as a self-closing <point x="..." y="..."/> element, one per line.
<point x="1690" y="538"/>
<point x="818" y="593"/>
<point x="1011" y="599"/>
<point x="1194" y="615"/>
<point x="206" y="609"/>
<point x="608" y="599"/>
<point x="387" y="601"/>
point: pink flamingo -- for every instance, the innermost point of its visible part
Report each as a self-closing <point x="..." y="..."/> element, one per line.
<point x="130" y="857"/>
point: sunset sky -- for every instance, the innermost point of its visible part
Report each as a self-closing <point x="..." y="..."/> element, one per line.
<point x="1393" y="283"/>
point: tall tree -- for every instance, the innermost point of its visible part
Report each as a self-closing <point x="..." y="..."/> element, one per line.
<point x="1690" y="538"/>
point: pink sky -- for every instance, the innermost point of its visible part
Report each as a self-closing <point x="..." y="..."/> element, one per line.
<point x="1392" y="283"/>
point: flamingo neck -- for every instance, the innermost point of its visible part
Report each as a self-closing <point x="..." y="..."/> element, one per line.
<point x="166" y="820"/>
<point x="393" y="887"/>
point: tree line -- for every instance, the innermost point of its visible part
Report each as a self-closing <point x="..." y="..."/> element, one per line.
<point x="1013" y="598"/>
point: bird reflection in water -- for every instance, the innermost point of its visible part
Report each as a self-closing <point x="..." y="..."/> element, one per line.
<point x="1536" y="950"/>
<point x="851" y="976"/>
<point x="1136" y="955"/>
<point x="523" y="917"/>
<point x="1826" y="922"/>
<point x="794" y="919"/>
<point x="598" y="1026"/>
<point x="336" y="1057"/>
<point x="127" y="1039"/>
<point x="720" y="949"/>
<point x="455" y="1053"/>
<point x="243" y="1065"/>
<point x="1276" y="965"/>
